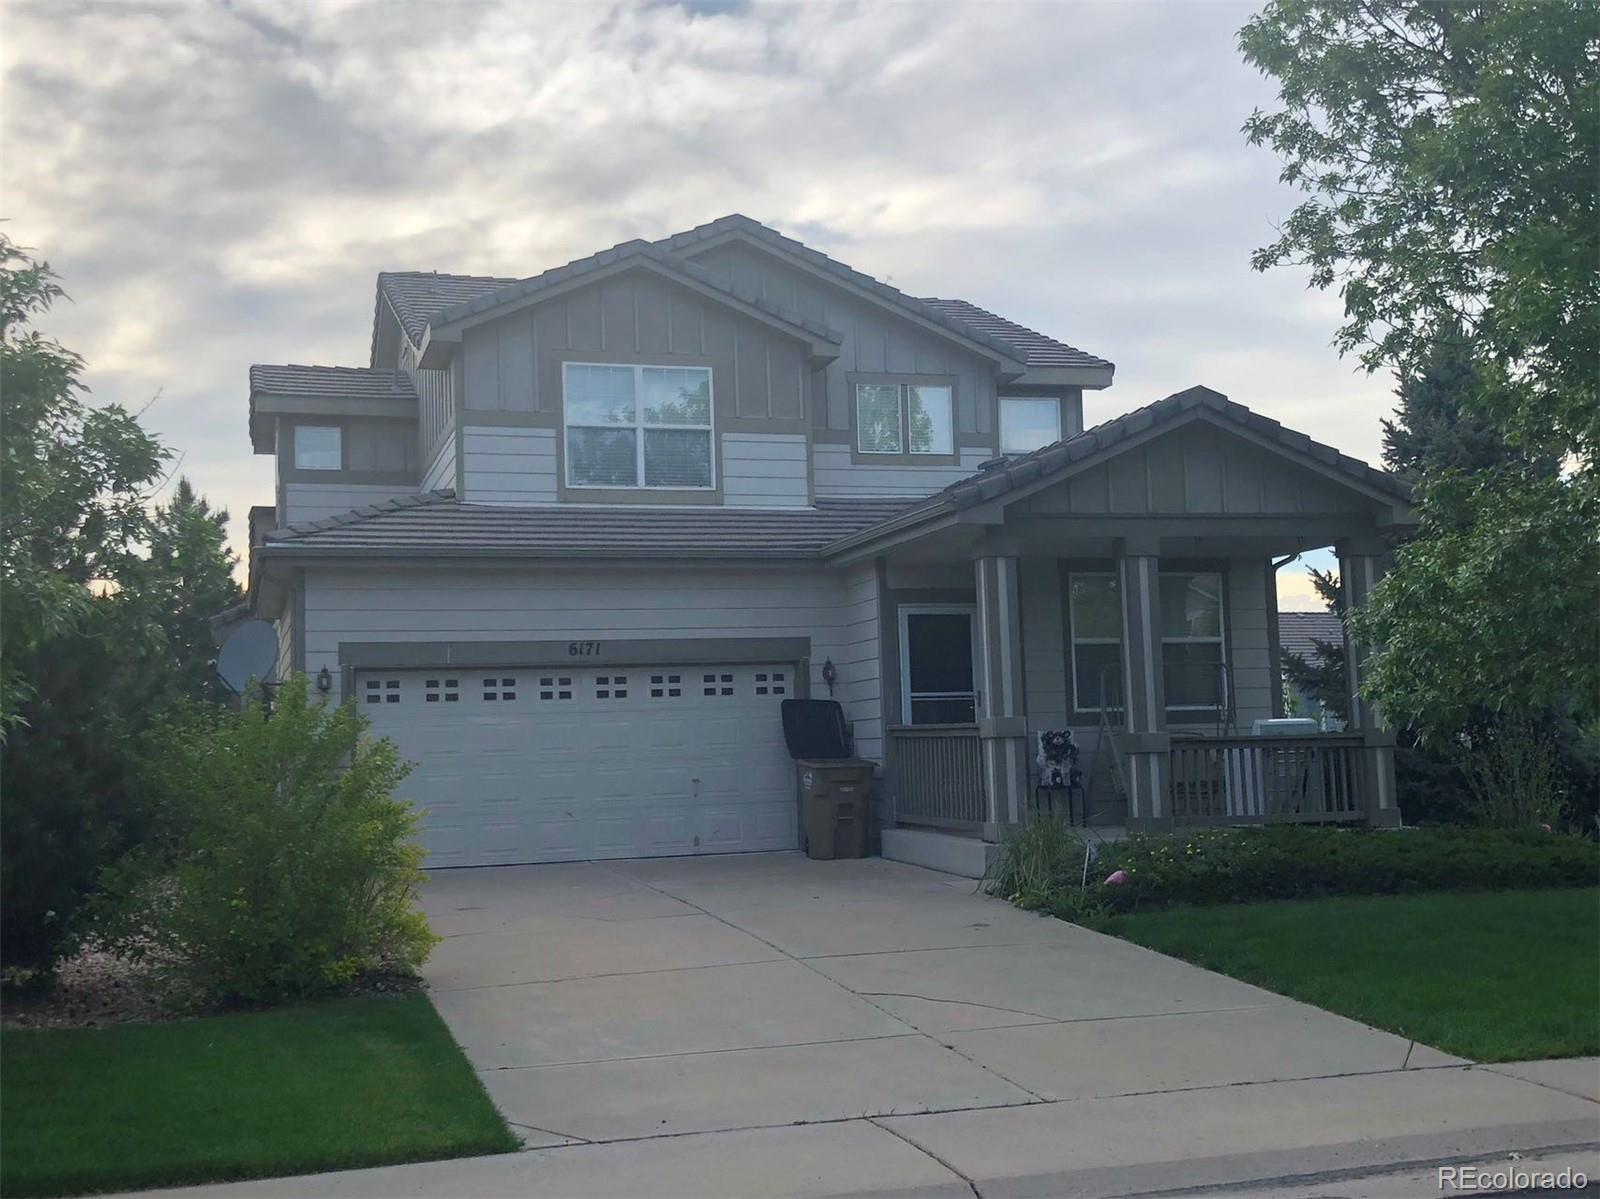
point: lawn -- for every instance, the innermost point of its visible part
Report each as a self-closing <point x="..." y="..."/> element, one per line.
<point x="1491" y="976"/>
<point x="334" y="1085"/>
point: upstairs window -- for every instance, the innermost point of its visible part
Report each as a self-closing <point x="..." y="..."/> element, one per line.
<point x="1192" y="640"/>
<point x="318" y="447"/>
<point x="905" y="418"/>
<point x="1028" y="423"/>
<point x="638" y="426"/>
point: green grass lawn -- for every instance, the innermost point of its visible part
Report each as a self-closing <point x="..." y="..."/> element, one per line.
<point x="1492" y="976"/>
<point x="333" y="1085"/>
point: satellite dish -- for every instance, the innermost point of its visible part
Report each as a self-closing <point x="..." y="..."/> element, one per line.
<point x="250" y="652"/>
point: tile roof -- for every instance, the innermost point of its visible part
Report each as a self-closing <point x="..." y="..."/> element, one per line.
<point x="419" y="296"/>
<point x="738" y="222"/>
<point x="621" y="252"/>
<point x="330" y="382"/>
<point x="1299" y="632"/>
<point x="436" y="524"/>
<point x="1001" y="475"/>
<point x="1037" y="349"/>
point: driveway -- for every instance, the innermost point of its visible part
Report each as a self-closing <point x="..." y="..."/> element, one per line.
<point x="745" y="995"/>
<point x="764" y="1025"/>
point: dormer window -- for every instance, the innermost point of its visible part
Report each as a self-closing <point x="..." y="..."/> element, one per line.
<point x="638" y="426"/>
<point x="318" y="447"/>
<point x="905" y="418"/>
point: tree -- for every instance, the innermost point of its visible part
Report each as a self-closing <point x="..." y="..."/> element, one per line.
<point x="1450" y="152"/>
<point x="103" y="609"/>
<point x="186" y="579"/>
<point x="72" y="480"/>
<point x="1436" y="426"/>
<point x="1322" y="677"/>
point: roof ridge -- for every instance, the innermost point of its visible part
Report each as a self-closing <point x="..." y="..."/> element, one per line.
<point x="887" y="290"/>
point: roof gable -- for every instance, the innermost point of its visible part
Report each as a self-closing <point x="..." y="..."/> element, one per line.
<point x="447" y="323"/>
<point x="739" y="227"/>
<point x="1010" y="481"/>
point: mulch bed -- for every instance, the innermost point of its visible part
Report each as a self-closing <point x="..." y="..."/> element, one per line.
<point x="95" y="989"/>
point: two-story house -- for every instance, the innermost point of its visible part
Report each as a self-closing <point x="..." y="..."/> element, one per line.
<point x="571" y="539"/>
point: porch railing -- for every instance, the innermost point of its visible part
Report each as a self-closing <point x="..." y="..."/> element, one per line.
<point x="1247" y="780"/>
<point x="936" y="775"/>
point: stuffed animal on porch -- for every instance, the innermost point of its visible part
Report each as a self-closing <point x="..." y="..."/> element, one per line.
<point x="1057" y="759"/>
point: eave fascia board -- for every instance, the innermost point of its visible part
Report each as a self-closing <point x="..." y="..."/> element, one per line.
<point x="399" y="407"/>
<point x="1090" y="378"/>
<point x="821" y="348"/>
<point x="293" y="554"/>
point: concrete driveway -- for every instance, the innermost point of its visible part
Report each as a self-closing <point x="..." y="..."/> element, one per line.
<point x="908" y="1021"/>
<point x="770" y="1026"/>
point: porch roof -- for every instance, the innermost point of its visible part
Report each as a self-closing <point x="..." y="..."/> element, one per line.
<point x="1006" y="480"/>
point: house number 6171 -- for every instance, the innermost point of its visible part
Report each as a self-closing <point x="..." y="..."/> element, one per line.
<point x="582" y="649"/>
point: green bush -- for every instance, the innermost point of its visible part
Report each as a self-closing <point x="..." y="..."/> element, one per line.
<point x="283" y="868"/>
<point x="1213" y="866"/>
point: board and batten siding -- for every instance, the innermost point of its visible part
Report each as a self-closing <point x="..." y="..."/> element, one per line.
<point x="508" y="465"/>
<point x="514" y="364"/>
<point x="284" y="666"/>
<point x="765" y="470"/>
<point x="1194" y="470"/>
<point x="305" y="502"/>
<point x="564" y="603"/>
<point x="1251" y="654"/>
<point x="436" y="411"/>
<point x="875" y="339"/>
<point x="836" y="475"/>
<point x="441" y="470"/>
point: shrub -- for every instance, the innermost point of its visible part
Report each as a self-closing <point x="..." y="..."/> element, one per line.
<point x="284" y="868"/>
<point x="1514" y="771"/>
<point x="1213" y="866"/>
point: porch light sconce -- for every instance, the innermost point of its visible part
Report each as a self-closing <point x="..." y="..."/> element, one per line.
<point x="324" y="680"/>
<point x="830" y="673"/>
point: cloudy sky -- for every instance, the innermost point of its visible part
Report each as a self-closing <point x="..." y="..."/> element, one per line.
<point x="218" y="182"/>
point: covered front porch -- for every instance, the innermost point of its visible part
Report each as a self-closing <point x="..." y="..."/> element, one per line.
<point x="1121" y="586"/>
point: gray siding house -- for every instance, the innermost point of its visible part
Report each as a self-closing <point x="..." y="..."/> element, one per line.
<point x="570" y="540"/>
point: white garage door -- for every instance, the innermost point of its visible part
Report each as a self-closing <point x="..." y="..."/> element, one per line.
<point x="548" y="765"/>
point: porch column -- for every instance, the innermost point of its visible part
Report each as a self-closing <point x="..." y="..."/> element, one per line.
<point x="1361" y="565"/>
<point x="1146" y="745"/>
<point x="1002" y="700"/>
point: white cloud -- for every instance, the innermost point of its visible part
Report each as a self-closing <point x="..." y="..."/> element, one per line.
<point x="219" y="182"/>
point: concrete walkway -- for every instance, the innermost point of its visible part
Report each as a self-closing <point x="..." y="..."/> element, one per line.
<point x="768" y="1025"/>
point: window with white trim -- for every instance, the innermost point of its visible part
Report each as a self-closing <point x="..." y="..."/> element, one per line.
<point x="1094" y="611"/>
<point x="318" y="447"/>
<point x="1192" y="644"/>
<point x="936" y="664"/>
<point x="905" y="418"/>
<point x="1029" y="423"/>
<point x="638" y="426"/>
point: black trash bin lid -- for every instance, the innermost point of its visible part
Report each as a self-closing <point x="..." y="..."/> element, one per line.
<point x="815" y="728"/>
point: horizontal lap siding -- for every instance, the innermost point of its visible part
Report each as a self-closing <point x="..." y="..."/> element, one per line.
<point x="837" y="475"/>
<point x="508" y="465"/>
<point x="765" y="470"/>
<point x="837" y="613"/>
<point x="308" y="502"/>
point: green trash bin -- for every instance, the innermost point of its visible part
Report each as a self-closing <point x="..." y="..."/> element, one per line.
<point x="835" y="806"/>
